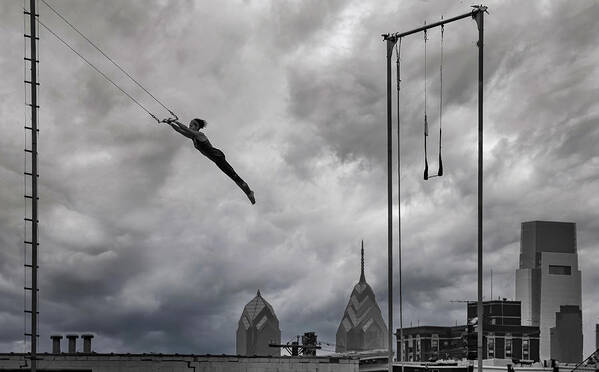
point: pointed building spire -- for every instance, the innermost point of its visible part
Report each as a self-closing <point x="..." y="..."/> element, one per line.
<point x="362" y="278"/>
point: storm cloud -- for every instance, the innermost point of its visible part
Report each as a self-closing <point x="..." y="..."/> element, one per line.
<point x="145" y="243"/>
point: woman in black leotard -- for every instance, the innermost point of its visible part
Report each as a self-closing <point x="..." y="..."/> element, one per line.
<point x="200" y="142"/>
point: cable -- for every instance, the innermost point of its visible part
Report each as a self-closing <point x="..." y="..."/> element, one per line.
<point x="107" y="57"/>
<point x="98" y="70"/>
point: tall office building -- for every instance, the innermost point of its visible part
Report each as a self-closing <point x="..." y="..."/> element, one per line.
<point x="258" y="326"/>
<point x="548" y="276"/>
<point x="362" y="326"/>
<point x="566" y="336"/>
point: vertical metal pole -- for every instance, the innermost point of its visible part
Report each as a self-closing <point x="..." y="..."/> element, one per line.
<point x="34" y="237"/>
<point x="479" y="21"/>
<point x="390" y="44"/>
<point x="400" y="347"/>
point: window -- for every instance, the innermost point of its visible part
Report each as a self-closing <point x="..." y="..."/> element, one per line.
<point x="526" y="349"/>
<point x="435" y="345"/>
<point x="508" y="347"/>
<point x="560" y="270"/>
<point x="491" y="347"/>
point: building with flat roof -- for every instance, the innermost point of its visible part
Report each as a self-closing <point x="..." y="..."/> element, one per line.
<point x="566" y="336"/>
<point x="84" y="359"/>
<point x="176" y="363"/>
<point x="548" y="276"/>
<point x="504" y="336"/>
<point x="426" y="343"/>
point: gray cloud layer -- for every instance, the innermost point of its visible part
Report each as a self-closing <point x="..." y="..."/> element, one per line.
<point x="145" y="243"/>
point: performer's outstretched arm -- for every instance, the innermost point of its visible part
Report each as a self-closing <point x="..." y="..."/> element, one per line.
<point x="180" y="128"/>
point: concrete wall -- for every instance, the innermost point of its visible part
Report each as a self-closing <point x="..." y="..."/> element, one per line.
<point x="177" y="363"/>
<point x="524" y="295"/>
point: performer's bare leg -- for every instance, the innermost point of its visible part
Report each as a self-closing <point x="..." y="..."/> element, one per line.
<point x="219" y="159"/>
<point x="200" y="141"/>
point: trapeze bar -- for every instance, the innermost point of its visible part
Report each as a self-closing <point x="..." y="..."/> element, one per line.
<point x="472" y="13"/>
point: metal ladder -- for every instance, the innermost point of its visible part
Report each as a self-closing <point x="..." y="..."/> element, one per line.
<point x="31" y="176"/>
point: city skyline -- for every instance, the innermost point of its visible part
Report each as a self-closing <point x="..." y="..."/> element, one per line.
<point x="144" y="243"/>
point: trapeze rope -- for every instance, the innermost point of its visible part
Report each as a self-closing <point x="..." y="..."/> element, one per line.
<point x="440" y="170"/>
<point x="98" y="70"/>
<point x="107" y="57"/>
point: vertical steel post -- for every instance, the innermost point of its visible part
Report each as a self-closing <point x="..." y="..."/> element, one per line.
<point x="479" y="17"/>
<point x="400" y="343"/>
<point x="390" y="44"/>
<point x="34" y="237"/>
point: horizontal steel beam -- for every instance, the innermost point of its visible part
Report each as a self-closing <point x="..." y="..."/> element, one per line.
<point x="398" y="35"/>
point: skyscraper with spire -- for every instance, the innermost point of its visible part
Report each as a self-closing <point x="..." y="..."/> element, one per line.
<point x="258" y="326"/>
<point x="362" y="326"/>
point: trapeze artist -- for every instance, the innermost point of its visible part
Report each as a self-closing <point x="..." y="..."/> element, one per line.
<point x="201" y="143"/>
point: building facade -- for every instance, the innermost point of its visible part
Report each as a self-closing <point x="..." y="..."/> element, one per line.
<point x="566" y="336"/>
<point x="257" y="328"/>
<point x="548" y="276"/>
<point x="362" y="326"/>
<point x="503" y="335"/>
<point x="176" y="363"/>
<point x="431" y="343"/>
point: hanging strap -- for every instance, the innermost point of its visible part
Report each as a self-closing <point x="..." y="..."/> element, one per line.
<point x="440" y="171"/>
<point x="425" y="116"/>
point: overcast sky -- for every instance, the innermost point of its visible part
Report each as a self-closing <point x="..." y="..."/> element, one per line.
<point x="146" y="244"/>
